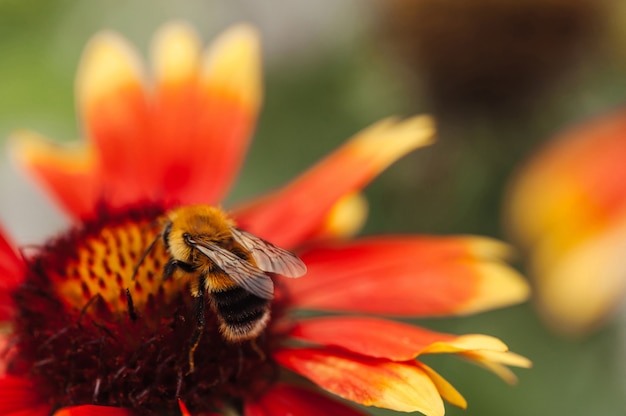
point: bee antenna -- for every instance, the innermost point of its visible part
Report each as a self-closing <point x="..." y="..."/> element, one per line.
<point x="144" y="255"/>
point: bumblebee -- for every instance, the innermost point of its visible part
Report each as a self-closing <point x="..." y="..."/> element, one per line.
<point x="229" y="265"/>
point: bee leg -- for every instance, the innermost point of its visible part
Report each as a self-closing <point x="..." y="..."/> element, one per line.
<point x="200" y="325"/>
<point x="258" y="349"/>
<point x="172" y="265"/>
<point x="132" y="313"/>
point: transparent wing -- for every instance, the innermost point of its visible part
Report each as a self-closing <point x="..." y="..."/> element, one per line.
<point x="269" y="257"/>
<point x="242" y="272"/>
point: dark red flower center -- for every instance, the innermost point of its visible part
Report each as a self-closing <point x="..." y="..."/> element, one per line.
<point x="88" y="331"/>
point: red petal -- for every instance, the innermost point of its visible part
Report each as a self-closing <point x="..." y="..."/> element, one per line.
<point x="369" y="336"/>
<point x="68" y="172"/>
<point x="38" y="410"/>
<point x="424" y="276"/>
<point x="183" y="408"/>
<point x="295" y="212"/>
<point x="285" y="400"/>
<point x="115" y="112"/>
<point x="11" y="274"/>
<point x="92" y="410"/>
<point x="203" y="117"/>
<point x="402" y="386"/>
<point x="18" y="394"/>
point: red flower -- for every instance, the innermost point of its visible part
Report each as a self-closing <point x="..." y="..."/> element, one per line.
<point x="79" y="345"/>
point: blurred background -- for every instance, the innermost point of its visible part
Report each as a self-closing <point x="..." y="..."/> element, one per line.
<point x="501" y="76"/>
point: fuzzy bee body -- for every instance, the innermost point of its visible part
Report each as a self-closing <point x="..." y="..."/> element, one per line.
<point x="230" y="265"/>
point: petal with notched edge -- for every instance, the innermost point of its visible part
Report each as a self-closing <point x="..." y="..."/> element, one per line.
<point x="382" y="338"/>
<point x="408" y="276"/>
<point x="402" y="386"/>
<point x="68" y="172"/>
<point x="286" y="400"/>
<point x="179" y="144"/>
<point x="310" y="197"/>
<point x="113" y="105"/>
<point x="207" y="106"/>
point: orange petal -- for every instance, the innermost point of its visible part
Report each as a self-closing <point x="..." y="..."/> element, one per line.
<point x="113" y="105"/>
<point x="12" y="269"/>
<point x="230" y="95"/>
<point x="387" y="339"/>
<point x="294" y="213"/>
<point x="408" y="276"/>
<point x="19" y="394"/>
<point x="205" y="111"/>
<point x="567" y="209"/>
<point x="286" y="400"/>
<point x="68" y="172"/>
<point x="372" y="382"/>
<point x="92" y="410"/>
<point x="573" y="186"/>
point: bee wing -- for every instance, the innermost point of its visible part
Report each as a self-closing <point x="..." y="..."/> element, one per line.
<point x="242" y="272"/>
<point x="269" y="257"/>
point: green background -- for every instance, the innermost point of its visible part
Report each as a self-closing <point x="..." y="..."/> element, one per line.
<point x="331" y="69"/>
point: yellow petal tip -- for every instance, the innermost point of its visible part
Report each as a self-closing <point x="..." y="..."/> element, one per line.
<point x="175" y="52"/>
<point x="232" y="65"/>
<point x="390" y="139"/>
<point x="500" y="286"/>
<point x="108" y="63"/>
<point x="29" y="149"/>
<point x="347" y="217"/>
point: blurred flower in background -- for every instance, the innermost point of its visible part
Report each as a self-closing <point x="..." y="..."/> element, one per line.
<point x="77" y="337"/>
<point x="567" y="209"/>
<point x="491" y="56"/>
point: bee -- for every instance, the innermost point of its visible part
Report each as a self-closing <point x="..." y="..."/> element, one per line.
<point x="227" y="264"/>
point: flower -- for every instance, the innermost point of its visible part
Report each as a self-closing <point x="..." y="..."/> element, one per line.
<point x="94" y="333"/>
<point x="566" y="208"/>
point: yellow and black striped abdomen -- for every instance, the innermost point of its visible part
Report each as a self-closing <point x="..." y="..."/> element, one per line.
<point x="242" y="315"/>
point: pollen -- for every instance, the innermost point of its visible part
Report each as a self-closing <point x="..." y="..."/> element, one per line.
<point x="98" y="324"/>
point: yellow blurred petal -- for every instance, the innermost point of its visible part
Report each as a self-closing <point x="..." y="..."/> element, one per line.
<point x="232" y="66"/>
<point x="580" y="287"/>
<point x="445" y="389"/>
<point x="109" y="63"/>
<point x="346" y="218"/>
<point x="176" y="53"/>
<point x="499" y="286"/>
